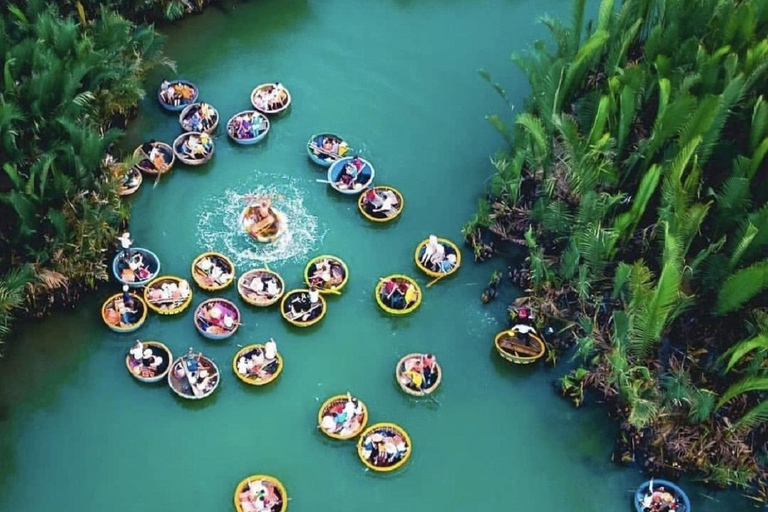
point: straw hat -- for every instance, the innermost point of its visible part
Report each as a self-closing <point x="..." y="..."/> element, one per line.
<point x="377" y="438"/>
<point x="147" y="353"/>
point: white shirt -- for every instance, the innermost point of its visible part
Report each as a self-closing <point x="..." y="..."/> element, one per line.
<point x="272" y="288"/>
<point x="524" y="329"/>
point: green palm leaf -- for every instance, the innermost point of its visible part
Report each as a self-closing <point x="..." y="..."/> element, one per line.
<point x="741" y="286"/>
<point x="745" y="385"/>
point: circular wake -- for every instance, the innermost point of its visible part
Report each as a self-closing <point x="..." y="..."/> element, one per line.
<point x="218" y="226"/>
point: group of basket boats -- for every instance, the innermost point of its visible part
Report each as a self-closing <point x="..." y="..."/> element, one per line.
<point x="381" y="447"/>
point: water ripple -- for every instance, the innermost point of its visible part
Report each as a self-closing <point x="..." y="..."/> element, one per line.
<point x="218" y="226"/>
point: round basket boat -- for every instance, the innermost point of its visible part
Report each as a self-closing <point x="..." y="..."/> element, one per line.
<point x="371" y="447"/>
<point x="260" y="287"/>
<point x="326" y="148"/>
<point x="263" y="370"/>
<point x="168" y="295"/>
<point x="212" y="271"/>
<point x="262" y="98"/>
<point x="193" y="148"/>
<point x="350" y="175"/>
<point x="449" y="249"/>
<point x="122" y="317"/>
<point x="298" y="310"/>
<point x="328" y="274"/>
<point x="414" y="378"/>
<point x="130" y="179"/>
<point x="665" y="491"/>
<point x="265" y="485"/>
<point x="251" y="224"/>
<point x="513" y="346"/>
<point x="393" y="301"/>
<point x="206" y="121"/>
<point x="175" y="95"/>
<point x="217" y="319"/>
<point x="381" y="204"/>
<point x="353" y="418"/>
<point x="194" y="376"/>
<point x="154" y="157"/>
<point x="136" y="268"/>
<point x="152" y="366"/>
<point x="248" y="127"/>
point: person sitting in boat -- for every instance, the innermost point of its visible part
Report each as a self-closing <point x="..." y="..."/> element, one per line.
<point x="429" y="369"/>
<point x="373" y="200"/>
<point x="447" y="264"/>
<point x="195" y="121"/>
<point x="409" y="293"/>
<point x="387" y="203"/>
<point x="329" y="147"/>
<point x="166" y="92"/>
<point x="388" y="291"/>
<point x="158" y="159"/>
<point x="194" y="146"/>
<point x="256" y="124"/>
<point x="272" y="288"/>
<point x="206" y="116"/>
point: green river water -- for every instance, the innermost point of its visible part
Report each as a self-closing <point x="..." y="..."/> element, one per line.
<point x="399" y="79"/>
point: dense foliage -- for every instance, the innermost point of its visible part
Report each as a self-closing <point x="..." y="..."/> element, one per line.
<point x="141" y="10"/>
<point x="637" y="182"/>
<point x="63" y="86"/>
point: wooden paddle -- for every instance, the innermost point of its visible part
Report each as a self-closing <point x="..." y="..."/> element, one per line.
<point x="422" y="393"/>
<point x="429" y="285"/>
<point x="323" y="181"/>
<point x="335" y="155"/>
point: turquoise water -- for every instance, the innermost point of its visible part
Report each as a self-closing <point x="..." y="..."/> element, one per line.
<point x="399" y="80"/>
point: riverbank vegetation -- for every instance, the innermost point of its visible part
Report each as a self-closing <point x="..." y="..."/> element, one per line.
<point x="65" y="86"/>
<point x="637" y="184"/>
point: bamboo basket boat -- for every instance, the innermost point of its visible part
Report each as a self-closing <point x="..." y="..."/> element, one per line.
<point x="403" y="380"/>
<point x="180" y="375"/>
<point x="321" y="156"/>
<point x="254" y="139"/>
<point x="398" y="279"/>
<point x="149" y="269"/>
<point x="204" y="322"/>
<point x="386" y="430"/>
<point x="681" y="500"/>
<point x="338" y="267"/>
<point x="180" y="299"/>
<point x="270" y="236"/>
<point x="249" y="295"/>
<point x="130" y="179"/>
<point x="257" y="379"/>
<point x="139" y="372"/>
<point x="293" y="294"/>
<point x="185" y="118"/>
<point x="362" y="181"/>
<point x="110" y="313"/>
<point x="337" y="403"/>
<point x="366" y="207"/>
<point x="450" y="248"/>
<point x="203" y="138"/>
<point x="202" y="273"/>
<point x="149" y="166"/>
<point x="514" y="350"/>
<point x="184" y="102"/>
<point x="267" y="481"/>
<point x="258" y="105"/>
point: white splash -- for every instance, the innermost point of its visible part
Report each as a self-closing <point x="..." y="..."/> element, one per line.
<point x="218" y="226"/>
